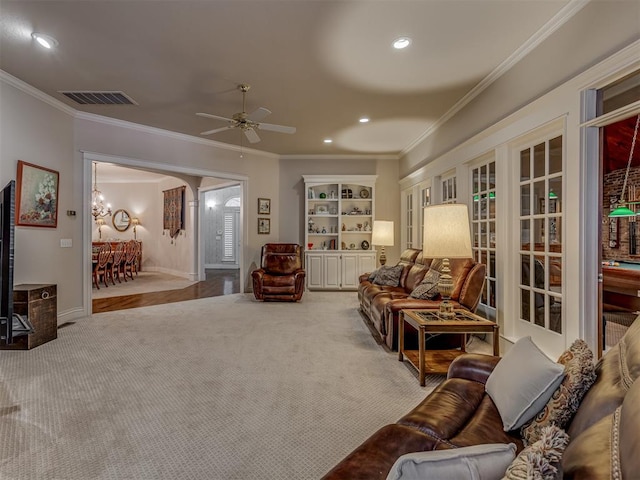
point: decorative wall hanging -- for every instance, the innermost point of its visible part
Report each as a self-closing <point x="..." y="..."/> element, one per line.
<point x="173" y="213"/>
<point x="264" y="226"/>
<point x="264" y="206"/>
<point x="37" y="196"/>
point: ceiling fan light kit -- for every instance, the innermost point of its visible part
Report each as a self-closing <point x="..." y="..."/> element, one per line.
<point x="247" y="122"/>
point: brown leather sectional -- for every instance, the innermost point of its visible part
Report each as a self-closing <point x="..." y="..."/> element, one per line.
<point x="604" y="439"/>
<point x="382" y="304"/>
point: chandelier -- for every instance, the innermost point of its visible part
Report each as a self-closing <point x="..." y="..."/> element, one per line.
<point x="98" y="209"/>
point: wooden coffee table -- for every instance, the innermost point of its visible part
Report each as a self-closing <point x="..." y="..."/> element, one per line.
<point x="427" y="322"/>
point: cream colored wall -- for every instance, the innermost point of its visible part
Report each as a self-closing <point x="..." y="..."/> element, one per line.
<point x="595" y="32"/>
<point x="141" y="200"/>
<point x="170" y="151"/>
<point x="34" y="132"/>
<point x="292" y="192"/>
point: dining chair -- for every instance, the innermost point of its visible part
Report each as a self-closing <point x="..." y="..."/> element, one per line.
<point x="100" y="269"/>
<point x="130" y="259"/>
<point x="116" y="262"/>
<point x="138" y="259"/>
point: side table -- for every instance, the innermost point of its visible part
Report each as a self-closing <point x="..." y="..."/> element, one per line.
<point x="427" y="322"/>
<point x="39" y="303"/>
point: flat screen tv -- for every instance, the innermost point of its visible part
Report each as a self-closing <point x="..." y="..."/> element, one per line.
<point x="7" y="217"/>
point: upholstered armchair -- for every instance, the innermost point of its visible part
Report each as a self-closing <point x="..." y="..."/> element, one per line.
<point x="280" y="276"/>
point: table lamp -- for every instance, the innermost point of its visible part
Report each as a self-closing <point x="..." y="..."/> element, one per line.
<point x="446" y="235"/>
<point x="382" y="235"/>
<point x="100" y="222"/>
<point x="135" y="221"/>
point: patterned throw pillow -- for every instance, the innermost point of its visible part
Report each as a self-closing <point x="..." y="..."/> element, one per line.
<point x="537" y="460"/>
<point x="563" y="404"/>
<point x="372" y="276"/>
<point x="388" y="276"/>
<point x="428" y="288"/>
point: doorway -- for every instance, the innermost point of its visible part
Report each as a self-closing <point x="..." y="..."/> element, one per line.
<point x="611" y="113"/>
<point x="191" y="264"/>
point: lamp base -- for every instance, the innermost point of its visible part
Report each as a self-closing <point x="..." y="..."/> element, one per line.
<point x="383" y="257"/>
<point x="446" y="310"/>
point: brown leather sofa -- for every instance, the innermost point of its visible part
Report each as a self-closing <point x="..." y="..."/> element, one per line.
<point x="604" y="439"/>
<point x="382" y="304"/>
<point x="280" y="276"/>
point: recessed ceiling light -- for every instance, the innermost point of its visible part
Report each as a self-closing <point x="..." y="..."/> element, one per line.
<point x="45" y="41"/>
<point x="364" y="119"/>
<point x="328" y="140"/>
<point x="402" y="42"/>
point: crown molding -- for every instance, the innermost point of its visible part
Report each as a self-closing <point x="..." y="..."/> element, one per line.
<point x="38" y="94"/>
<point x="340" y="157"/>
<point x="559" y="19"/>
<point x="34" y="92"/>
<point x="169" y="134"/>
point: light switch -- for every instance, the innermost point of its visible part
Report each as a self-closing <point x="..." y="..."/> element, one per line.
<point x="66" y="243"/>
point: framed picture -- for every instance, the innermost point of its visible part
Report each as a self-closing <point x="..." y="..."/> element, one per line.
<point x="37" y="196"/>
<point x="264" y="206"/>
<point x="322" y="210"/>
<point x="264" y="226"/>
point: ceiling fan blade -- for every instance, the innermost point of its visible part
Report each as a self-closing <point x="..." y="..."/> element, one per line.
<point x="216" y="117"/>
<point x="216" y="130"/>
<point x="259" y="114"/>
<point x="251" y="135"/>
<point x="276" y="128"/>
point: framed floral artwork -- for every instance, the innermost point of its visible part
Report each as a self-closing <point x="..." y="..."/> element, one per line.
<point x="264" y="226"/>
<point x="264" y="206"/>
<point x="36" y="196"/>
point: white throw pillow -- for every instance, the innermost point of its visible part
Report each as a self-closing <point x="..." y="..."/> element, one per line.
<point x="479" y="462"/>
<point x="522" y="383"/>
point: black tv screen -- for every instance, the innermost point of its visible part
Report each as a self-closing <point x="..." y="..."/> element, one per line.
<point x="7" y="222"/>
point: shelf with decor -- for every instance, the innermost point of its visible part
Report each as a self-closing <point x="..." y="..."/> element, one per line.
<point x="340" y="214"/>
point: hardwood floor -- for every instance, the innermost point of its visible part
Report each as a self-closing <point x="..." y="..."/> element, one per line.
<point x="218" y="282"/>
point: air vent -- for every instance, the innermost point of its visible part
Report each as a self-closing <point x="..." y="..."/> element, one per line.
<point x="99" y="98"/>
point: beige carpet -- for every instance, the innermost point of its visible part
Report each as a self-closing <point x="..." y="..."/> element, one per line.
<point x="220" y="388"/>
<point x="144" y="282"/>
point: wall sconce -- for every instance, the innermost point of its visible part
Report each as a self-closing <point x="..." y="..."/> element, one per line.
<point x="135" y="221"/>
<point x="100" y="222"/>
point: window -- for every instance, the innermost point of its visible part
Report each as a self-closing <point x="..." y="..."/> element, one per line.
<point x="233" y="202"/>
<point x="541" y="252"/>
<point x="409" y="219"/>
<point x="449" y="193"/>
<point x="228" y="237"/>
<point x="425" y="201"/>
<point x="483" y="226"/>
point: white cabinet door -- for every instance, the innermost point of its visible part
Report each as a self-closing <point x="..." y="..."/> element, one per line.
<point x="350" y="270"/>
<point x="332" y="271"/>
<point x="367" y="263"/>
<point x="314" y="270"/>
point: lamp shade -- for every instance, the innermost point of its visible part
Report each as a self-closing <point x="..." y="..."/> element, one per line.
<point x="622" y="211"/>
<point x="446" y="231"/>
<point x="382" y="233"/>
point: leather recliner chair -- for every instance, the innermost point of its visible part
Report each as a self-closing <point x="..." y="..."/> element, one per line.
<point x="280" y="276"/>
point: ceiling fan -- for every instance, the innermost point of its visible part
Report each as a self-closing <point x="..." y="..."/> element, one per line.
<point x="247" y="122"/>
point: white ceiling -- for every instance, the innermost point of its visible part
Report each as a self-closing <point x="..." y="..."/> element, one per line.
<point x="318" y="65"/>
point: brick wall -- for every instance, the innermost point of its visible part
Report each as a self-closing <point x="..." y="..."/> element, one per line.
<point x="612" y="187"/>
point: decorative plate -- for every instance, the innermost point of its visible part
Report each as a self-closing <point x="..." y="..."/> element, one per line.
<point x="364" y="245"/>
<point x="364" y="193"/>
